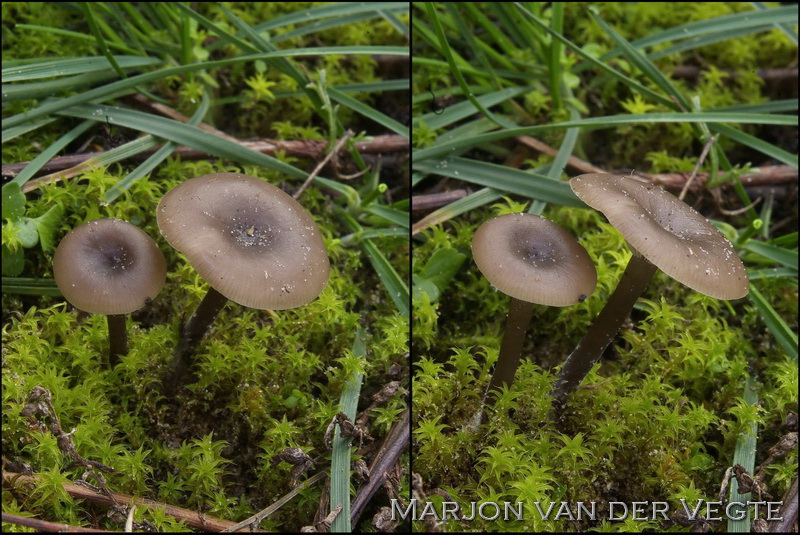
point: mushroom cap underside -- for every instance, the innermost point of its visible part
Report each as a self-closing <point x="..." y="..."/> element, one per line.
<point x="532" y="259"/>
<point x="668" y="232"/>
<point x="109" y="266"/>
<point x="248" y="239"/>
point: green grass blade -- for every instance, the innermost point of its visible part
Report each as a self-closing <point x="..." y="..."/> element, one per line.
<point x="392" y="215"/>
<point x="775" y="254"/>
<point x="630" y="82"/>
<point x="69" y="67"/>
<point x="779" y="329"/>
<point x="647" y="67"/>
<point x="444" y="149"/>
<point x="504" y="179"/>
<point x="745" y="455"/>
<point x="94" y="27"/>
<point x="394" y="284"/>
<point x="444" y="45"/>
<point x="753" y="142"/>
<point x="194" y="137"/>
<point x="368" y="112"/>
<point x="130" y="83"/>
<point x="472" y="201"/>
<point x="340" y="456"/>
<point x="27" y="286"/>
<point x="146" y="167"/>
<point x="51" y="152"/>
<point x="772" y="273"/>
<point x="462" y="110"/>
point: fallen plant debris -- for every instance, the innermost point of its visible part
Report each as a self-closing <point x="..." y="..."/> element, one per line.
<point x="39" y="408"/>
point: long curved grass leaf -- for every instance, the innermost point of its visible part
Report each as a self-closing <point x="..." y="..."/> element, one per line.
<point x="155" y="159"/>
<point x="443" y="149"/>
<point x="445" y="213"/>
<point x="340" y="455"/>
<point x="130" y="83"/>
<point x="394" y="284"/>
<point x="504" y="179"/>
<point x="744" y="455"/>
<point x="392" y="215"/>
<point x="782" y="333"/>
<point x="462" y="110"/>
<point x="338" y="21"/>
<point x="628" y="81"/>
<point x="71" y="66"/>
<point x="368" y="112"/>
<point x="455" y="70"/>
<point x="194" y="137"/>
<point x="758" y="144"/>
<point x="647" y="67"/>
<point x="775" y="254"/>
<point x="50" y="152"/>
<point x="28" y="286"/>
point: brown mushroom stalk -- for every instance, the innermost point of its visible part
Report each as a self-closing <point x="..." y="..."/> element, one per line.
<point x="519" y="317"/>
<point x="663" y="233"/>
<point x="108" y="266"/>
<point x="632" y="284"/>
<point x="117" y="338"/>
<point x="197" y="325"/>
<point x="534" y="261"/>
<point x="250" y="241"/>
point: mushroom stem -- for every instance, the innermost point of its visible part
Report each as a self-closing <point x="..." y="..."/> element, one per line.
<point x="637" y="275"/>
<point x="191" y="334"/>
<point x="519" y="316"/>
<point x="117" y="338"/>
<point x="199" y="322"/>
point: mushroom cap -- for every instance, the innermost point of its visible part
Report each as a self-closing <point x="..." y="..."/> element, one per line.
<point x="108" y="266"/>
<point x="668" y="233"/>
<point x="249" y="240"/>
<point x="532" y="259"/>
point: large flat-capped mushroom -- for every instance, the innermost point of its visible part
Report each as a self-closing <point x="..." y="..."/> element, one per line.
<point x="534" y="261"/>
<point x="108" y="266"/>
<point x="249" y="240"/>
<point x="663" y="233"/>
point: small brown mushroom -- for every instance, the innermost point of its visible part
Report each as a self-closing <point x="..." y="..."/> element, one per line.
<point x="108" y="266"/>
<point x="663" y="233"/>
<point x="249" y="240"/>
<point x="534" y="261"/>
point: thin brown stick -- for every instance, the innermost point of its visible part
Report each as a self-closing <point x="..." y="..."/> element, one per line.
<point x="697" y="165"/>
<point x="249" y="523"/>
<point x="192" y="518"/>
<point x="43" y="526"/>
<point x="423" y="203"/>
<point x="787" y="512"/>
<point x="64" y="167"/>
<point x="766" y="175"/>
<point x="393" y="446"/>
<point x="322" y="164"/>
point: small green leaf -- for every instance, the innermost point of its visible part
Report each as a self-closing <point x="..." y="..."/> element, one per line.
<point x="27" y="234"/>
<point x="13" y="201"/>
<point x="13" y="263"/>
<point x="47" y="226"/>
<point x="422" y="285"/>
